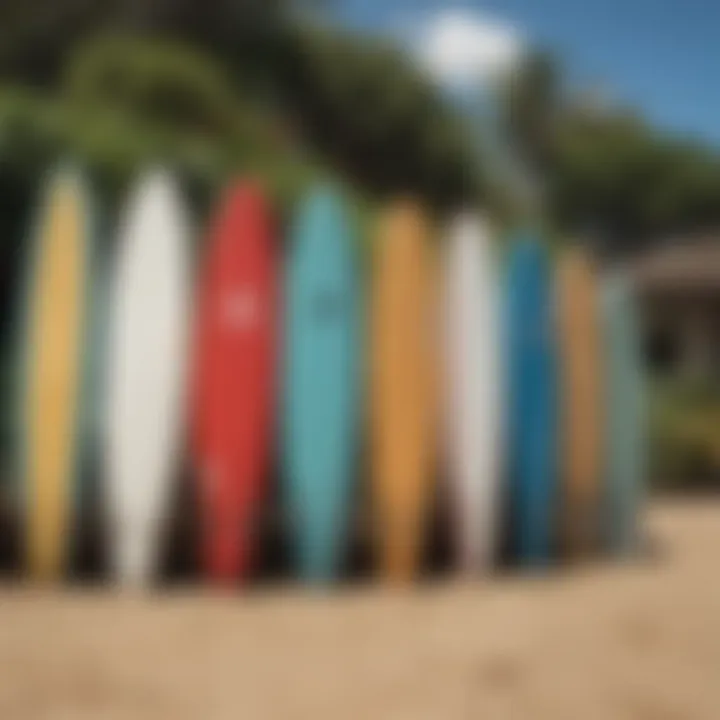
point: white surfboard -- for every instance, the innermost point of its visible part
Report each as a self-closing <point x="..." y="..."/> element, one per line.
<point x="146" y="374"/>
<point x="472" y="390"/>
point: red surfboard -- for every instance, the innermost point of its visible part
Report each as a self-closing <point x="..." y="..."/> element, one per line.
<point x="234" y="379"/>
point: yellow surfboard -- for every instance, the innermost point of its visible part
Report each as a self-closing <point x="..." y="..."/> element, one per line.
<point x="53" y="362"/>
<point x="402" y="388"/>
<point x="581" y="402"/>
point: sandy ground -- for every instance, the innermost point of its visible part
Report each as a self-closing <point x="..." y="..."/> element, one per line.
<point x="639" y="642"/>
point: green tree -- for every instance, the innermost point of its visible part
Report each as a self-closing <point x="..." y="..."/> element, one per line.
<point x="347" y="101"/>
<point x="365" y="106"/>
<point x="604" y="168"/>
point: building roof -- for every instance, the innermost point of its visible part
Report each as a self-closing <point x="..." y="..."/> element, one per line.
<point x="684" y="266"/>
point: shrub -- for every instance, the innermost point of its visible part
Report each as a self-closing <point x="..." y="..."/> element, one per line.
<point x="684" y="439"/>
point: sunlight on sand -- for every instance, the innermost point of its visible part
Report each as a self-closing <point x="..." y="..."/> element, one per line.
<point x="638" y="641"/>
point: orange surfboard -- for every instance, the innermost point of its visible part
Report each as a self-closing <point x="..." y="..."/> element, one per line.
<point x="402" y="388"/>
<point x="581" y="402"/>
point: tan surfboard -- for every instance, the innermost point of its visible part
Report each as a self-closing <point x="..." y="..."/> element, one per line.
<point x="53" y="367"/>
<point x="402" y="362"/>
<point x="580" y="402"/>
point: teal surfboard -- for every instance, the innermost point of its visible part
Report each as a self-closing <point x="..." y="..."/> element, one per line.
<point x="321" y="383"/>
<point x="625" y="417"/>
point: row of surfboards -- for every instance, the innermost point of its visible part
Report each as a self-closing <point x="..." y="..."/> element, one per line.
<point x="523" y="382"/>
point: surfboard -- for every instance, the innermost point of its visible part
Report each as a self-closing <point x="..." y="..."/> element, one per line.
<point x="532" y="403"/>
<point x="234" y="379"/>
<point x="625" y="443"/>
<point x="147" y="349"/>
<point x="53" y="391"/>
<point x="473" y="389"/>
<point x="581" y="390"/>
<point x="402" y="388"/>
<point x="322" y="382"/>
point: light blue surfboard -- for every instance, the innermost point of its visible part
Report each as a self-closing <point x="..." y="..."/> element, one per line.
<point x="532" y="406"/>
<point x="321" y="383"/>
<point x="625" y="417"/>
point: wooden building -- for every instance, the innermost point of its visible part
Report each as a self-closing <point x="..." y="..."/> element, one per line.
<point x="678" y="288"/>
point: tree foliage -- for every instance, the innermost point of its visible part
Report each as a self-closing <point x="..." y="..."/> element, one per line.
<point x="365" y="106"/>
<point x="232" y="83"/>
<point x="344" y="101"/>
<point x="605" y="168"/>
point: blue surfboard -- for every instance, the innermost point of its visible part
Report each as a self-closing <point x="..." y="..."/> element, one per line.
<point x="322" y="382"/>
<point x="625" y="417"/>
<point x="532" y="406"/>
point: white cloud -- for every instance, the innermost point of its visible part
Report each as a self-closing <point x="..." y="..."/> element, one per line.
<point x="459" y="47"/>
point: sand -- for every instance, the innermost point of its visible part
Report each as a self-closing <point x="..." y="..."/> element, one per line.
<point x="640" y="642"/>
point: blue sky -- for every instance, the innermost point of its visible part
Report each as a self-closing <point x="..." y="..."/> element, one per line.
<point x="660" y="56"/>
